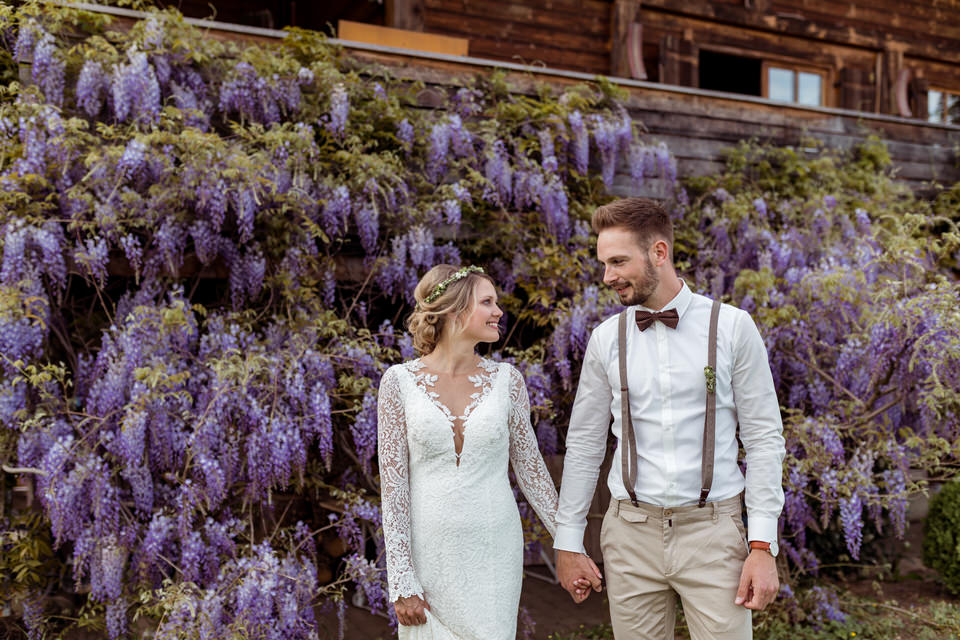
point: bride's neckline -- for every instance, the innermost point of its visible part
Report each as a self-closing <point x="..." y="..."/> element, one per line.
<point x="481" y="364"/>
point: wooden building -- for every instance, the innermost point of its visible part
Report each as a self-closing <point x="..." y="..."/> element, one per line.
<point x="702" y="74"/>
<point x="899" y="57"/>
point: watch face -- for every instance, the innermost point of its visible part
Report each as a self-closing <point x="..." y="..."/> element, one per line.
<point x="774" y="548"/>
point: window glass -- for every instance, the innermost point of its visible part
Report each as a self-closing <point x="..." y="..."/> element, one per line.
<point x="934" y="106"/>
<point x="780" y="84"/>
<point x="808" y="89"/>
<point x="951" y="108"/>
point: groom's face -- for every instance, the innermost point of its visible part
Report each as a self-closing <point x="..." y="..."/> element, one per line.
<point x="626" y="265"/>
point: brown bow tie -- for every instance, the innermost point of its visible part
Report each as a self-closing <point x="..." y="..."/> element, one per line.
<point x="670" y="317"/>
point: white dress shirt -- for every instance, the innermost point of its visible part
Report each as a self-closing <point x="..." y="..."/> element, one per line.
<point x="665" y="371"/>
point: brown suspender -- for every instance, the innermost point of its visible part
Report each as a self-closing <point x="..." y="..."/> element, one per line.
<point x="710" y="417"/>
<point x="628" y="444"/>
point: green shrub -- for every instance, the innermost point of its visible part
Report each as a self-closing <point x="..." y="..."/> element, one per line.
<point x="941" y="536"/>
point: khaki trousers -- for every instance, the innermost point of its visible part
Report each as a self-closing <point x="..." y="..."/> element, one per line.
<point x="653" y="554"/>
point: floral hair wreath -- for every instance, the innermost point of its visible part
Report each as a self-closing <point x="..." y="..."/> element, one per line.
<point x="459" y="275"/>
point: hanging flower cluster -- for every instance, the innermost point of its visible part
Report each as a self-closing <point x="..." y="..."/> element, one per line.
<point x="850" y="283"/>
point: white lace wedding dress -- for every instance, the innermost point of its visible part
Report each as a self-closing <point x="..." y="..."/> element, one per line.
<point x="451" y="523"/>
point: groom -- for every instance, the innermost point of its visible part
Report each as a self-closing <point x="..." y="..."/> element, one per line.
<point x="692" y="369"/>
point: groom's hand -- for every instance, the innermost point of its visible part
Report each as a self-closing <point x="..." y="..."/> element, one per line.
<point x="759" y="582"/>
<point x="578" y="574"/>
<point x="411" y="611"/>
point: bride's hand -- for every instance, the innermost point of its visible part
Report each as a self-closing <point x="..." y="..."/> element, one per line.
<point x="411" y="611"/>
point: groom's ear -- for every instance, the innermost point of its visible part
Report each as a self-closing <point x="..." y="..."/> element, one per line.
<point x="660" y="252"/>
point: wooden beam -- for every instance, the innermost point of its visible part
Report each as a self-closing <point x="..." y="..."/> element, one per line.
<point x="622" y="16"/>
<point x="401" y="38"/>
<point x="405" y="14"/>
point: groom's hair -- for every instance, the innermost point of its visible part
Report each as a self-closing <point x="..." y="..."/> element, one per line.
<point x="645" y="217"/>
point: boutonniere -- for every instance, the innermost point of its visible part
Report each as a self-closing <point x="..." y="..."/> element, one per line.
<point x="711" y="375"/>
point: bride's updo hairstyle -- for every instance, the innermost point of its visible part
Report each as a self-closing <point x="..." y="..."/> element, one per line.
<point x="430" y="319"/>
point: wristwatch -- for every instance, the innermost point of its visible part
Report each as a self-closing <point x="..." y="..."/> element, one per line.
<point x="770" y="547"/>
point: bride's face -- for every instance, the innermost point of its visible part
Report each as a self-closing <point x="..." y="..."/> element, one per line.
<point x="483" y="320"/>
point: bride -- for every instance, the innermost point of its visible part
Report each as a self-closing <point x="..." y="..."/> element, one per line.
<point x="448" y="422"/>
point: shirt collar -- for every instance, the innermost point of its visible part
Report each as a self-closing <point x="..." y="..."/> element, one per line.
<point x="680" y="302"/>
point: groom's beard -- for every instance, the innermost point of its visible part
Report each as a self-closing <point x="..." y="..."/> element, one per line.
<point x="641" y="290"/>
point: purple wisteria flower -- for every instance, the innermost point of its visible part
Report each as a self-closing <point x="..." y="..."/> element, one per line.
<point x="499" y="175"/>
<point x="367" y="218"/>
<point x="93" y="255"/>
<point x="305" y="76"/>
<point x="760" y="206"/>
<point x="405" y="134"/>
<point x="26" y="40"/>
<point x="135" y="88"/>
<point x="461" y="140"/>
<point x="605" y="135"/>
<point x="339" y="111"/>
<point x="548" y="159"/>
<point x="666" y="163"/>
<point x="91" y="85"/>
<point x="637" y="164"/>
<point x="465" y="102"/>
<point x="437" y="154"/>
<point x="336" y="212"/>
<point x="554" y="205"/>
<point x="580" y="143"/>
<point x="48" y="69"/>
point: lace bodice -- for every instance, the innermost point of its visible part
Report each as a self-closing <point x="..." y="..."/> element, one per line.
<point x="427" y="488"/>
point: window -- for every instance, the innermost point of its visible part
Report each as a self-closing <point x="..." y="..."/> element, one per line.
<point x="727" y="72"/>
<point x="943" y="106"/>
<point x="724" y="70"/>
<point x="788" y="84"/>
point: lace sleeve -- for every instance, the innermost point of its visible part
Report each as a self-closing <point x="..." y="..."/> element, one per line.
<point x="528" y="465"/>
<point x="395" y="488"/>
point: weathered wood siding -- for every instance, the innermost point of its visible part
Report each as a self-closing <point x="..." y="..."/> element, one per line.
<point x="699" y="126"/>
<point x="861" y="47"/>
<point x="566" y="34"/>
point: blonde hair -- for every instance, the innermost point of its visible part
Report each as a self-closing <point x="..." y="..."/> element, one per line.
<point x="429" y="319"/>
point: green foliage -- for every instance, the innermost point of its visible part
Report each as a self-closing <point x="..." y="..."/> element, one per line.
<point x="941" y="536"/>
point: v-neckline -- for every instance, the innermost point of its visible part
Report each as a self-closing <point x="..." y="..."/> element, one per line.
<point x="485" y="366"/>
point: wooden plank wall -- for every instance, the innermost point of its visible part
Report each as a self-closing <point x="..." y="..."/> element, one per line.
<point x="699" y="128"/>
<point x="563" y="34"/>
<point x="861" y="46"/>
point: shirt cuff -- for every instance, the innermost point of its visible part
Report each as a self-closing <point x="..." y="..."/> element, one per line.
<point x="762" y="528"/>
<point x="569" y="538"/>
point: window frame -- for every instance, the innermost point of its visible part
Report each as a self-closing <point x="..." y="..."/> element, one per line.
<point x="797" y="69"/>
<point x="943" y="91"/>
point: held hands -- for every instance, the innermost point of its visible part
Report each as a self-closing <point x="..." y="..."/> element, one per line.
<point x="758" y="581"/>
<point x="578" y="574"/>
<point x="411" y="611"/>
